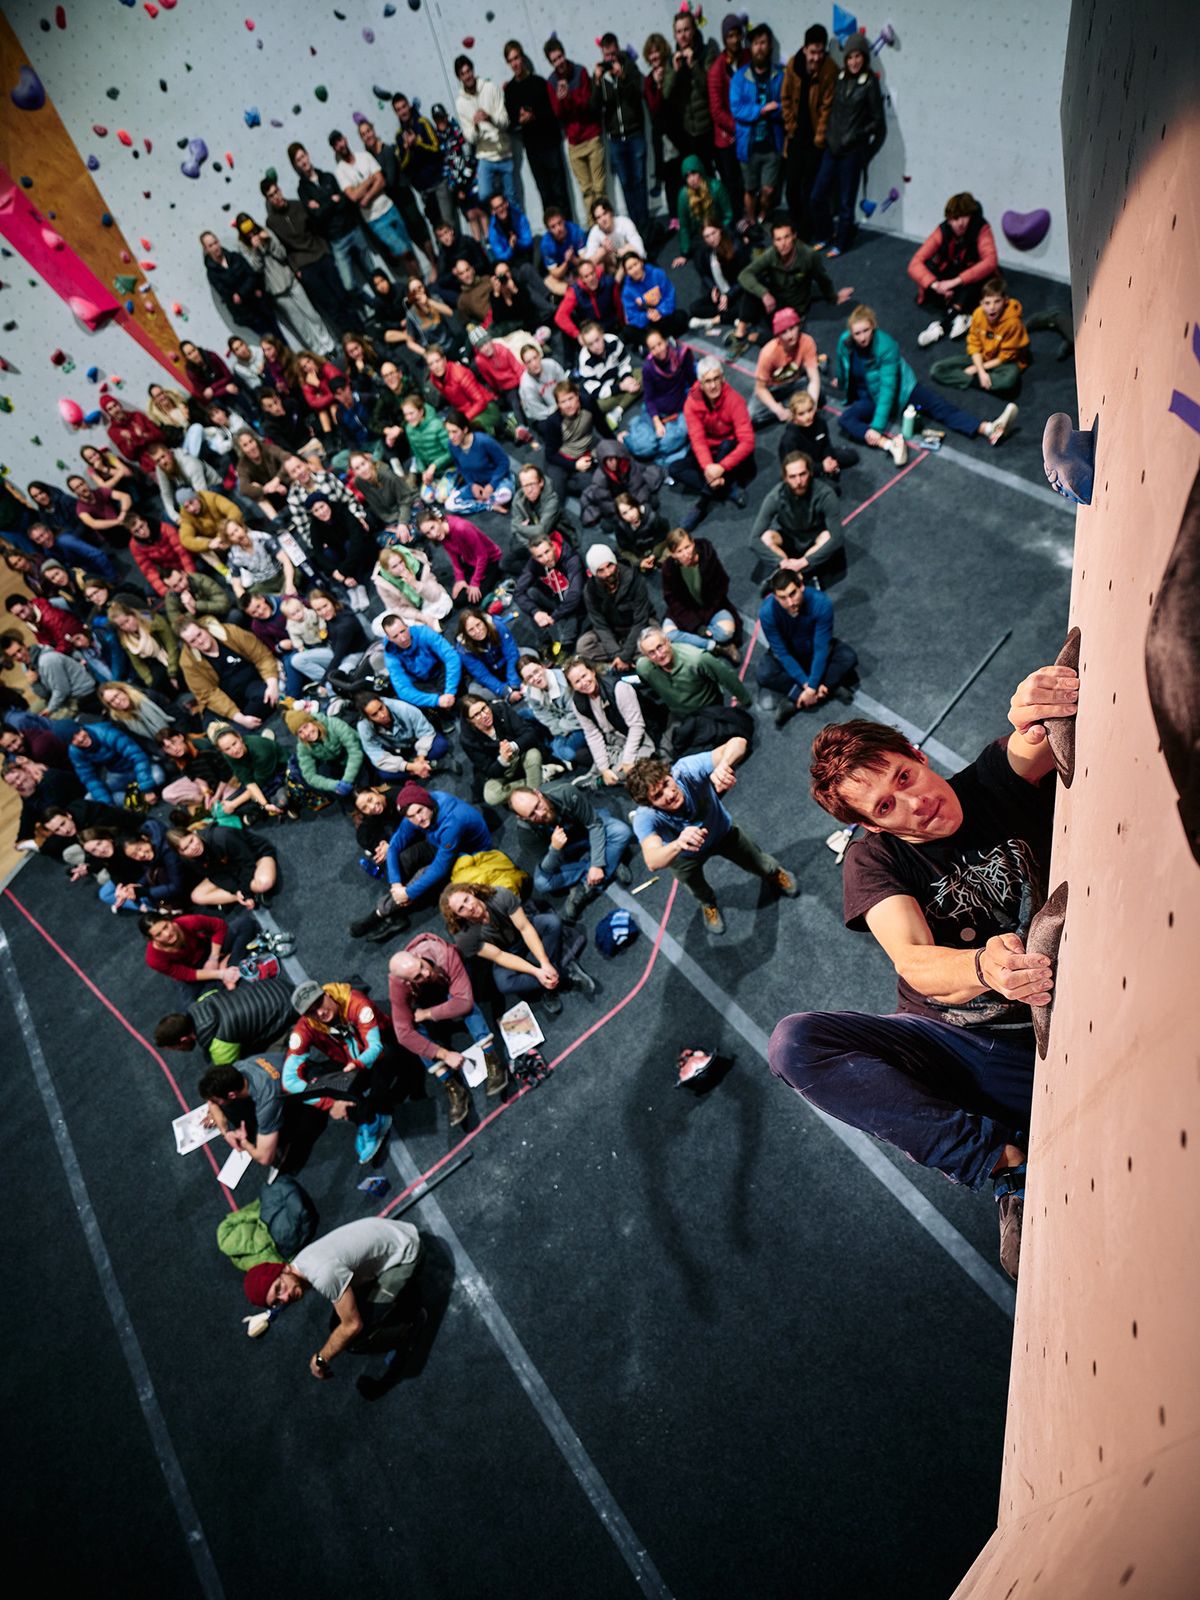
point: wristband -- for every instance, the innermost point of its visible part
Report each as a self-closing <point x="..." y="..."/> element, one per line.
<point x="979" y="968"/>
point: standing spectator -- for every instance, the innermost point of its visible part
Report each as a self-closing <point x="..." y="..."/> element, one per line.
<point x="420" y="157"/>
<point x="238" y="286"/>
<point x="788" y="359"/>
<point x="681" y="823"/>
<point x="668" y="373"/>
<point x="617" y="97"/>
<point x="532" y="117"/>
<point x="361" y="180"/>
<point x="803" y="662"/>
<point x="461" y="168"/>
<point x="856" y="130"/>
<point x="727" y="65"/>
<point x="584" y="844"/>
<point x="799" y="521"/>
<point x="483" y="117"/>
<point x="398" y="188"/>
<point x="666" y="130"/>
<point x="571" y="101"/>
<point x="309" y="255"/>
<point x="754" y="99"/>
<point x="268" y="259"/>
<point x="685" y="86"/>
<point x="808" y="83"/>
<point x="334" y="217"/>
<point x="952" y="266"/>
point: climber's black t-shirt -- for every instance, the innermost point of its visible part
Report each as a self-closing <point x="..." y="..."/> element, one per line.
<point x="988" y="877"/>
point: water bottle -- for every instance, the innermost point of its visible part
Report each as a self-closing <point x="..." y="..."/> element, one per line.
<point x="908" y="423"/>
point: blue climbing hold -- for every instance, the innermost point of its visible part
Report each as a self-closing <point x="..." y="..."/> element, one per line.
<point x="92" y="164"/>
<point x="93" y="374"/>
<point x="389" y="11"/>
<point x="92" y="418"/>
<point x="844" y="23"/>
<point x="29" y="94"/>
<point x="129" y="307"/>
<point x="106" y="221"/>
<point x="251" y="117"/>
<point x="27" y="183"/>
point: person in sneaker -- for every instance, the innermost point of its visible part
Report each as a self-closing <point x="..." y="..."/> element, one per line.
<point x="878" y="384"/>
<point x="436" y="829"/>
<point x="530" y="955"/>
<point x="946" y="879"/>
<point x="360" y="1059"/>
<point x="246" y="1104"/>
<point x="584" y="844"/>
<point x="787" y="361"/>
<point x="803" y="661"/>
<point x="681" y="822"/>
<point x="952" y="266"/>
<point x="430" y="992"/>
<point x="367" y="1271"/>
<point x="721" y="436"/>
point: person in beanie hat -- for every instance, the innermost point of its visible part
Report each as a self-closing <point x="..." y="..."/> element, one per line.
<point x="436" y="830"/>
<point x="328" y="753"/>
<point x="720" y="75"/>
<point x="365" y="1270"/>
<point x="856" y="131"/>
<point x="361" y="1061"/>
<point x="787" y="362"/>
<point x="618" y="607"/>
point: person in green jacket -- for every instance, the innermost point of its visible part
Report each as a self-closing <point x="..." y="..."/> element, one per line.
<point x="786" y="273"/>
<point x="427" y="439"/>
<point x="257" y="770"/>
<point x="702" y="199"/>
<point x="194" y="594"/>
<point x="878" y="384"/>
<point x="324" y="743"/>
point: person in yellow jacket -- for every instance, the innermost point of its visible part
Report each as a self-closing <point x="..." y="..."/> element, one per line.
<point x="997" y="343"/>
<point x="203" y="514"/>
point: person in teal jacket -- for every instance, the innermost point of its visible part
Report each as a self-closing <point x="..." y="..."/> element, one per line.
<point x="702" y="197"/>
<point x="878" y="384"/>
<point x="328" y="754"/>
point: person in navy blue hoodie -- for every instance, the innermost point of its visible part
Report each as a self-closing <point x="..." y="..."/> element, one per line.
<point x="804" y="662"/>
<point x="436" y="830"/>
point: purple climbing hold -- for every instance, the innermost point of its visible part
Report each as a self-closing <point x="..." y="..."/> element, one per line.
<point x="892" y="196"/>
<point x="92" y="164"/>
<point x="1025" y="230"/>
<point x="1069" y="458"/>
<point x="368" y="36"/>
<point x="197" y="156"/>
<point x="275" y="122"/>
<point x="29" y="94"/>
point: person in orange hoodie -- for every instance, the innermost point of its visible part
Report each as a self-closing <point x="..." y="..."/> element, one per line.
<point x="997" y="343"/>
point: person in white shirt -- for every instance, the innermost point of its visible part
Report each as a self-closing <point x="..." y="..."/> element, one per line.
<point x="483" y="118"/>
<point x="360" y="178"/>
<point x="610" y="237"/>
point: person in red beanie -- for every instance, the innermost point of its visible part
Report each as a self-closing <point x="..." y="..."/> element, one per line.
<point x="366" y="1271"/>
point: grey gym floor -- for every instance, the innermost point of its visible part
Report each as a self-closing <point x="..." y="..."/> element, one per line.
<point x="699" y="1345"/>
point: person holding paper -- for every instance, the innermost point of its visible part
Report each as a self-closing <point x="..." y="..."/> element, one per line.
<point x="246" y="1104"/>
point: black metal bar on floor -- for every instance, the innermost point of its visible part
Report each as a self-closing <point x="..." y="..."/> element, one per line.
<point x="425" y="1188"/>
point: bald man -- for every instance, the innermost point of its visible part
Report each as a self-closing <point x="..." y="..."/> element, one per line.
<point x="430" y="991"/>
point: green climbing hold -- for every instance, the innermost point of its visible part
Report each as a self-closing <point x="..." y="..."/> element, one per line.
<point x="123" y="283"/>
<point x="6" y="404"/>
<point x="321" y="92"/>
<point x="62" y="466"/>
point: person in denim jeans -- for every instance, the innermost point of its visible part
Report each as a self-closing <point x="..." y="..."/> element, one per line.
<point x="584" y="845"/>
<point x="361" y="180"/>
<point x="617" y="97"/>
<point x="430" y="992"/>
<point x="946" y="879"/>
<point x="335" y="217"/>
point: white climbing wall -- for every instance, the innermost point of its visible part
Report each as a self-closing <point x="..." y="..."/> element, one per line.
<point x="1102" y="1455"/>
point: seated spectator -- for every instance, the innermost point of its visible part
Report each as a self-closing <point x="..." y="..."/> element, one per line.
<point x="361" y="364"/>
<point x="878" y="384"/>
<point x="405" y="584"/>
<point x="488" y="653"/>
<point x="692" y="682"/>
<point x="39" y="788"/>
<point x="424" y="668"/>
<point x="473" y="286"/>
<point x="668" y="373"/>
<point x="640" y="531"/>
<point x="268" y="624"/>
<point x="799" y="521"/>
<point x="365" y="1270"/>
<point x="510" y="238"/>
<point x="130" y="432"/>
<point x="592" y="296"/>
<point x="205" y="374"/>
<point x="192" y="767"/>
<point x="502" y="372"/>
<point x="702" y="198"/>
<point x="436" y="828"/>
<point x="341" y="547"/>
<point x="606" y="372"/>
<point x="168" y="411"/>
<point x="284" y="425"/>
<point x="501" y="746"/>
<point x="681" y="823"/>
<point x="550" y="701"/>
<point x="452" y="248"/>
<point x="571" y="439"/>
<point x="721" y="436"/>
<point x="808" y="433"/>
<point x="390" y="320"/>
<point x="398" y="739"/>
<point x="648" y="299"/>
<point x="517" y="303"/>
<point x="803" y="661"/>
<point x="189" y="594"/>
<point x="111" y="764"/>
<point x="65" y="685"/>
<point x="430" y="990"/>
<point x="786" y="272"/>
<point x="536" y="389"/>
<point x="69" y="545"/>
<point x="786" y="361"/>
<point x="203" y="518"/>
<point x="305" y="480"/>
<point x="426" y="435"/>
<point x="231" y="1025"/>
<point x="246" y="1103"/>
<point x="228" y="671"/>
<point x="196" y="950"/>
<point x="463" y="392"/>
<point x="225" y="866"/>
<point x="618" y="606"/>
<point x="611" y="237"/>
<point x="176" y="469"/>
<point x="616" y="473"/>
<point x="358" y="1060"/>
<point x="997" y="346"/>
<point x="342" y="640"/>
<point x="474" y="558"/>
<point x="530" y="955"/>
<point x="387" y="411"/>
<point x="561" y="246"/>
<point x="536" y="508"/>
<point x="50" y="625"/>
<point x="720" y="261"/>
<point x="695" y="589"/>
<point x="139" y="712"/>
<point x="387" y="495"/>
<point x="328" y="754"/>
<point x="952" y="266"/>
<point x="257" y="564"/>
<point x="145" y="869"/>
<point x="485" y="477"/>
<point x="257" y="772"/>
<point x="102" y="511"/>
<point x="157" y="553"/>
<point x="550" y="591"/>
<point x="584" y="844"/>
<point x="430" y="321"/>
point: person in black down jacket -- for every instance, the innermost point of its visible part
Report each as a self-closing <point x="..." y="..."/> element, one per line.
<point x="856" y="131"/>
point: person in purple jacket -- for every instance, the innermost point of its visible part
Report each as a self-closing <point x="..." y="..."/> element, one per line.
<point x="668" y="372"/>
<point x="474" y="557"/>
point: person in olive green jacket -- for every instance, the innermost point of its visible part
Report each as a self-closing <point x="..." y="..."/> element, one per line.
<point x="231" y="673"/>
<point x="194" y="594"/>
<point x="328" y="753"/>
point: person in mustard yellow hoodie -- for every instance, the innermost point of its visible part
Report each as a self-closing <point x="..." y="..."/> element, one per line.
<point x="997" y="350"/>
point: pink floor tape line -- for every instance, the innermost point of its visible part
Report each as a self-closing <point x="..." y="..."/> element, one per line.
<point x="126" y="1024"/>
<point x="462" y="1144"/>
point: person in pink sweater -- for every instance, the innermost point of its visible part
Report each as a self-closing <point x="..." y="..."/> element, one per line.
<point x="474" y="557"/>
<point x="951" y="267"/>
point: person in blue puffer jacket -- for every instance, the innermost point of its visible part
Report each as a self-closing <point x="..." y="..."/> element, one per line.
<point x="488" y="653"/>
<point x="436" y="830"/>
<point x="107" y="760"/>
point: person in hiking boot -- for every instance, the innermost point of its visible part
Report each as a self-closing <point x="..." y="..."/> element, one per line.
<point x="946" y="880"/>
<point x="430" y="991"/>
<point x="584" y="844"/>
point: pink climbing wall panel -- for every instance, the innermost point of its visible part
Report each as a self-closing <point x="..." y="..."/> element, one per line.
<point x="1102" y="1454"/>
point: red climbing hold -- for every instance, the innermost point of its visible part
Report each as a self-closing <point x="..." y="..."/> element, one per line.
<point x="249" y="26"/>
<point x="60" y="17"/>
<point x="150" y="10"/>
<point x="469" y="42"/>
<point x="99" y="131"/>
<point x="145" y="244"/>
<point x="228" y="159"/>
<point x="123" y="136"/>
<point x="146" y="266"/>
<point x="149" y="145"/>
